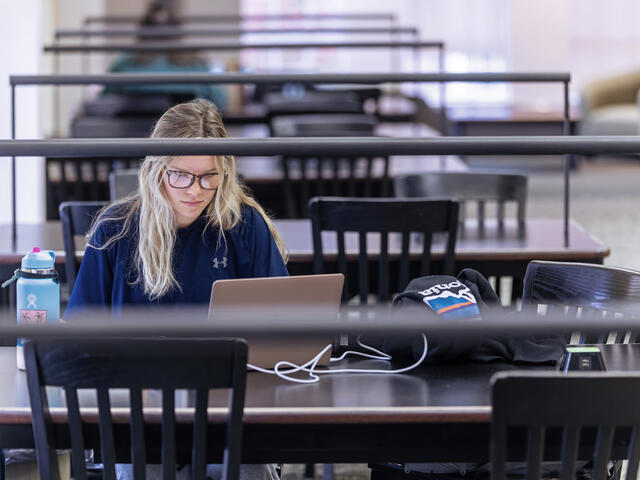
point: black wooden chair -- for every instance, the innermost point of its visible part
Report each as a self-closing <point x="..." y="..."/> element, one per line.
<point x="80" y="179"/>
<point x="408" y="217"/>
<point x="480" y="187"/>
<point x="314" y="101"/>
<point x="123" y="183"/>
<point x="558" y="416"/>
<point x="76" y="220"/>
<point x="305" y="177"/>
<point x="137" y="364"/>
<point x="592" y="291"/>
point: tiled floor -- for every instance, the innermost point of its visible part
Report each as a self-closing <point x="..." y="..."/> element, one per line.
<point x="605" y="200"/>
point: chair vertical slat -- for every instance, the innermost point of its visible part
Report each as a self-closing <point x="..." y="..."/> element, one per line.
<point x="604" y="442"/>
<point x="78" y="186"/>
<point x="106" y="434"/>
<point x="335" y="163"/>
<point x="363" y="278"/>
<point x="199" y="459"/>
<point x="319" y="177"/>
<point x="316" y="231"/>
<point x="40" y="418"/>
<point x="500" y="211"/>
<point x="75" y="430"/>
<point x="342" y="261"/>
<point x="138" y="450"/>
<point x="498" y="452"/>
<point x="450" y="252"/>
<point x="304" y="186"/>
<point x="351" y="190"/>
<point x="64" y="183"/>
<point x="498" y="287"/>
<point x="425" y="262"/>
<point x="95" y="179"/>
<point x="383" y="268"/>
<point x="569" y="454"/>
<point x="481" y="212"/>
<point x="522" y="206"/>
<point x="633" y="454"/>
<point x="403" y="277"/>
<point x="168" y="434"/>
<point x="367" y="180"/>
<point x="535" y="449"/>
<point x="289" y="199"/>
<point x="386" y="180"/>
<point x="232" y="454"/>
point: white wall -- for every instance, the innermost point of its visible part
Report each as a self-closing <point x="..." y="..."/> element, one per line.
<point x="20" y="30"/>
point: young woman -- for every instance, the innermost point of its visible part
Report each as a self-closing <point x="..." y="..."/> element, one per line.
<point x="190" y="223"/>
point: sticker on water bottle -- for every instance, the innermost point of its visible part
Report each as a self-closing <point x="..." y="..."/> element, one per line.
<point x="33" y="317"/>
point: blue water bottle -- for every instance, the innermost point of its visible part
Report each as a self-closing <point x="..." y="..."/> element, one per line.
<point x="37" y="292"/>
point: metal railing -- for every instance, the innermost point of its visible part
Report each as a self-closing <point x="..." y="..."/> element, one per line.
<point x="177" y="31"/>
<point x="327" y="146"/>
<point x="327" y="78"/>
<point x="230" y="18"/>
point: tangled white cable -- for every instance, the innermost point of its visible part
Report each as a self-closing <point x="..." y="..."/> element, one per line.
<point x="310" y="366"/>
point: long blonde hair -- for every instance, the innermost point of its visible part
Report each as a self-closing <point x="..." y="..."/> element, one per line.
<point x="156" y="220"/>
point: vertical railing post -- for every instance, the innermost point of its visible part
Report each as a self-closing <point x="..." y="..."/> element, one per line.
<point x="566" y="163"/>
<point x="13" y="171"/>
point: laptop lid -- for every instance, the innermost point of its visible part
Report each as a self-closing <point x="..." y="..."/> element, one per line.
<point x="273" y="298"/>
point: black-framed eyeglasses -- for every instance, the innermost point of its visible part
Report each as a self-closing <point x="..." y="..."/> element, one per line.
<point x="180" y="179"/>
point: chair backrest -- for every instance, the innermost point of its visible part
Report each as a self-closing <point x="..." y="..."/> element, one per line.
<point x="324" y="125"/>
<point x="313" y="102"/>
<point x="345" y="176"/>
<point x="406" y="217"/>
<point x="123" y="183"/>
<point x="80" y="179"/>
<point x="593" y="291"/>
<point x="546" y="402"/>
<point x="76" y="218"/>
<point x="136" y="364"/>
<point x="479" y="187"/>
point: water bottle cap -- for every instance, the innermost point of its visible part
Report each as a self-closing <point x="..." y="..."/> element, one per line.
<point x="38" y="259"/>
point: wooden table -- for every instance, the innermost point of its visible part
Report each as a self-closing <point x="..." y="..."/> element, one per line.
<point x="474" y="120"/>
<point x="434" y="413"/>
<point x="491" y="251"/>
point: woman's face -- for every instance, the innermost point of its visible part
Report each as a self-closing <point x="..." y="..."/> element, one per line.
<point x="188" y="201"/>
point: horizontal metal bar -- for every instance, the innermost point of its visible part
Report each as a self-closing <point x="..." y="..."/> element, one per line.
<point x="295" y="322"/>
<point x="353" y="146"/>
<point x="230" y="46"/>
<point x="240" y="18"/>
<point x="252" y="78"/>
<point x="151" y="32"/>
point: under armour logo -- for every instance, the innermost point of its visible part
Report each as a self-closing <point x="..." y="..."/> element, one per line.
<point x="217" y="263"/>
<point x="31" y="298"/>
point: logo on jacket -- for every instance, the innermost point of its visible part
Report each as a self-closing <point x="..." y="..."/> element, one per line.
<point x="217" y="263"/>
<point x="451" y="300"/>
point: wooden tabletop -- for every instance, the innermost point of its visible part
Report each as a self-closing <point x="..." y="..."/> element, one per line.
<point x="541" y="239"/>
<point x="434" y="413"/>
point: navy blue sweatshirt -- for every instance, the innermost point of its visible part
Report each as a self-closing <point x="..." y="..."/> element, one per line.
<point x="106" y="276"/>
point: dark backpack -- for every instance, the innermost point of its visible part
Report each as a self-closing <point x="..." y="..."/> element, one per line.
<point x="469" y="297"/>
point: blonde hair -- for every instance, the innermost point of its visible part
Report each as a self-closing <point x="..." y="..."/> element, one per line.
<point x="155" y="217"/>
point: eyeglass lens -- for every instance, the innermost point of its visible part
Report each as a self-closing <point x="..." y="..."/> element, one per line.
<point x="185" y="180"/>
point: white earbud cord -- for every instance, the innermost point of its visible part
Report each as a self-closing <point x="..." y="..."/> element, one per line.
<point x="310" y="366"/>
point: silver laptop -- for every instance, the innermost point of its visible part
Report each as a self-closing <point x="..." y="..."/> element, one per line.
<point x="272" y="298"/>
